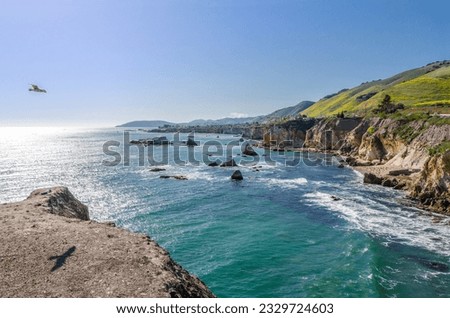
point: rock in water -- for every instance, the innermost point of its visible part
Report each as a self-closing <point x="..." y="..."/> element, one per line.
<point x="229" y="163"/>
<point x="157" y="169"/>
<point x="191" y="142"/>
<point x="174" y="177"/>
<point x="60" y="201"/>
<point x="389" y="183"/>
<point x="249" y="151"/>
<point x="351" y="161"/>
<point x="372" y="179"/>
<point x="237" y="175"/>
<point x="213" y="164"/>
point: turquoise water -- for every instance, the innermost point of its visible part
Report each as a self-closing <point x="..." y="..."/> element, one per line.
<point x="278" y="233"/>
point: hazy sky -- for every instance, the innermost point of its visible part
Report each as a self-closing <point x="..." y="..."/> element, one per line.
<point x="108" y="62"/>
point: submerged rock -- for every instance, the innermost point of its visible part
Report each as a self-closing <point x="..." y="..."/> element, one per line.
<point x="174" y="177"/>
<point x="229" y="163"/>
<point x="157" y="169"/>
<point x="213" y="164"/>
<point x="431" y="264"/>
<point x="440" y="267"/>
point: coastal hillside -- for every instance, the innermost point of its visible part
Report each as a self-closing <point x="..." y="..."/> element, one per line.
<point x="146" y="123"/>
<point x="425" y="88"/>
<point x="217" y="122"/>
<point x="283" y="113"/>
<point x="291" y="111"/>
<point x="50" y="248"/>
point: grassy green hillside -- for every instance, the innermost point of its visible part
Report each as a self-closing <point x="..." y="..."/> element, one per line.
<point x="420" y="88"/>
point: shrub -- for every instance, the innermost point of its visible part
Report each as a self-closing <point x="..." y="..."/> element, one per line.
<point x="371" y="130"/>
<point x="408" y="133"/>
<point x="442" y="148"/>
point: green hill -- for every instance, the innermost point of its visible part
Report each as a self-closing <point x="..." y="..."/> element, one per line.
<point x="424" y="87"/>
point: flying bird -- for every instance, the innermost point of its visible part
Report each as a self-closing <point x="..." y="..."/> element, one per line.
<point x="35" y="88"/>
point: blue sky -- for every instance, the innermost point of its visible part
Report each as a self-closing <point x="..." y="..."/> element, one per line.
<point x="108" y="62"/>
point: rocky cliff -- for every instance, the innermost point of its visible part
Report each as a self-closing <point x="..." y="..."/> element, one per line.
<point x="50" y="248"/>
<point x="432" y="186"/>
<point x="401" y="153"/>
<point x="290" y="133"/>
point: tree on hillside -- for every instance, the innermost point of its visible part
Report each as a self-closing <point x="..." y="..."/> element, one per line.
<point x="387" y="106"/>
<point x="340" y="115"/>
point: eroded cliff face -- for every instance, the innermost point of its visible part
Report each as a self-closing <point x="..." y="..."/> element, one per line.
<point x="334" y="134"/>
<point x="288" y="134"/>
<point x="254" y="132"/>
<point x="432" y="186"/>
<point x="378" y="141"/>
<point x="401" y="147"/>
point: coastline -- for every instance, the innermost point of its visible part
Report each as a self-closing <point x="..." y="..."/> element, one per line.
<point x="398" y="177"/>
<point x="382" y="173"/>
<point x="50" y="248"/>
<point x="404" y="155"/>
<point x="320" y="197"/>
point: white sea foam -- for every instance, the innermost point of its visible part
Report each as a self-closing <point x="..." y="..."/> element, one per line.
<point x="393" y="224"/>
<point x="199" y="175"/>
<point x="286" y="183"/>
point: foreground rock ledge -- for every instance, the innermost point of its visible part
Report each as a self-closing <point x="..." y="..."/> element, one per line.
<point x="49" y="248"/>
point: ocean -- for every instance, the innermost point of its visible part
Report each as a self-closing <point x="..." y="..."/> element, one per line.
<point x="277" y="233"/>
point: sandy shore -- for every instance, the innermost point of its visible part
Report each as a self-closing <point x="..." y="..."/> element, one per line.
<point x="47" y="255"/>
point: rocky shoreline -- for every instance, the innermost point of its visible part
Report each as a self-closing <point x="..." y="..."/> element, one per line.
<point x="50" y="248"/>
<point x="392" y="153"/>
<point x="405" y="154"/>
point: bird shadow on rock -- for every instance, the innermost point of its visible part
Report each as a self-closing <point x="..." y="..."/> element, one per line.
<point x="60" y="260"/>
